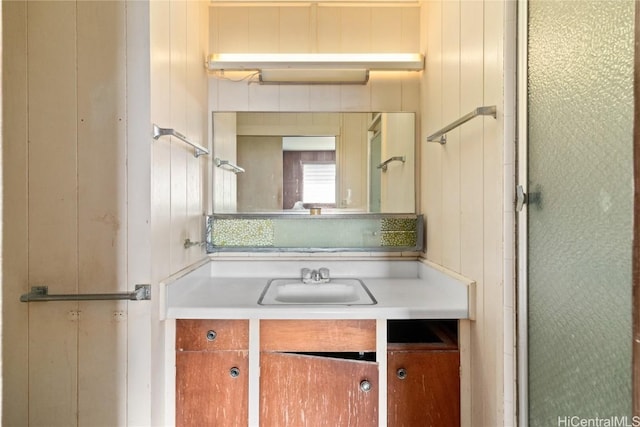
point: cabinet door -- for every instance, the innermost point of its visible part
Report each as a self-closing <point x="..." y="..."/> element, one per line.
<point x="209" y="391"/>
<point x="423" y="389"/>
<point x="300" y="390"/>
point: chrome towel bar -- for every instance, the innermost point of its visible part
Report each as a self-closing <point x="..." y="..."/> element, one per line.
<point x="441" y="135"/>
<point x="384" y="164"/>
<point x="41" y="293"/>
<point x="235" y="168"/>
<point x="158" y="132"/>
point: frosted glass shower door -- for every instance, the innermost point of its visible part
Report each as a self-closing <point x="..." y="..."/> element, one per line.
<point x="580" y="121"/>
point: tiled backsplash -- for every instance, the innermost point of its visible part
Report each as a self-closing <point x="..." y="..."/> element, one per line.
<point x="317" y="233"/>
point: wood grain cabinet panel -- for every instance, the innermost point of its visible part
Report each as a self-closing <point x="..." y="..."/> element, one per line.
<point x="212" y="388"/>
<point x="318" y="335"/>
<point x="298" y="390"/>
<point x="211" y="335"/>
<point x="423" y="388"/>
<point x="212" y="372"/>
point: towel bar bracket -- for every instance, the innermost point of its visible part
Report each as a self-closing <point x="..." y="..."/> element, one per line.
<point x="384" y="164"/>
<point x="441" y="135"/>
<point x="158" y="132"/>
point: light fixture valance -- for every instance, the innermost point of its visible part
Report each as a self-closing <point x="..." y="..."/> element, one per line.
<point x="312" y="61"/>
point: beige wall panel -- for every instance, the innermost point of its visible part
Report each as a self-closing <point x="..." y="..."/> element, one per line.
<point x="264" y="31"/>
<point x="234" y="96"/>
<point x="386" y="29"/>
<point x="472" y="213"/>
<point x="355" y="98"/>
<point x="471" y="140"/>
<point x="101" y="147"/>
<point x="356" y="30"/>
<point x="224" y="144"/>
<point x="102" y="219"/>
<point x="411" y="29"/>
<point x="324" y="98"/>
<point x="181" y="153"/>
<point x="196" y="107"/>
<point x="327" y="119"/>
<point x="296" y="30"/>
<point x="214" y="39"/>
<point x="328" y="37"/>
<point x="260" y="187"/>
<point x="410" y="91"/>
<point x="431" y="171"/>
<point x="294" y="98"/>
<point x="386" y="91"/>
<point x="52" y="189"/>
<point x="15" y="169"/>
<point x="212" y="83"/>
<point x="352" y="158"/>
<point x="53" y="362"/>
<point x="160" y="47"/>
<point x="466" y="372"/>
<point x="102" y="363"/>
<point x="139" y="143"/>
<point x="261" y="98"/>
<point x="494" y="250"/>
<point x="205" y="116"/>
<point x="397" y="183"/>
<point x="451" y="191"/>
<point x="52" y="146"/>
<point x="233" y="29"/>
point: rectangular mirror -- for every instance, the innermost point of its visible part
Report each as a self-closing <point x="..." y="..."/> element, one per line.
<point x="275" y="162"/>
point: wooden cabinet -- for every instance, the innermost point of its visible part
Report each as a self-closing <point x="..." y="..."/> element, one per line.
<point x="318" y="373"/>
<point x="300" y="390"/>
<point x="423" y="377"/>
<point x="212" y="372"/>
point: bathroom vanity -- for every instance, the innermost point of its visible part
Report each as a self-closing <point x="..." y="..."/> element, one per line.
<point x="395" y="362"/>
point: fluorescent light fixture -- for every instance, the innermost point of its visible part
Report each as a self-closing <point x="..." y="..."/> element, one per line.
<point x="312" y="61"/>
<point x="304" y="76"/>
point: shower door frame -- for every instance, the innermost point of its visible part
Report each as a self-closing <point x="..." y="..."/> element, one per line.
<point x="521" y="219"/>
<point x="635" y="260"/>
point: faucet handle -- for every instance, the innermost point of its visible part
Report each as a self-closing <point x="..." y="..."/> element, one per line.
<point x="305" y="273"/>
<point x="324" y="273"/>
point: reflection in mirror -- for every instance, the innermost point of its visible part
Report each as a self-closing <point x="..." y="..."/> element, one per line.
<point x="296" y="161"/>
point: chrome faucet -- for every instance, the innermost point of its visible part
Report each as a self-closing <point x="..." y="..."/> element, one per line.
<point x="315" y="276"/>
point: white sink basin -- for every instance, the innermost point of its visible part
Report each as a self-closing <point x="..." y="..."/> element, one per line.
<point x="335" y="292"/>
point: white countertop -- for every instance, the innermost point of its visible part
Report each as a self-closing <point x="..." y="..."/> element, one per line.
<point x="403" y="290"/>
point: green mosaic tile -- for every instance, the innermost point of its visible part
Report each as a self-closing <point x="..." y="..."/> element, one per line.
<point x="243" y="232"/>
<point x="398" y="224"/>
<point x="398" y="238"/>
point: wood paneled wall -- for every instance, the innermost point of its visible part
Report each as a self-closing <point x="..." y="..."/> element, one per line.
<point x="91" y="193"/>
<point x="463" y="197"/>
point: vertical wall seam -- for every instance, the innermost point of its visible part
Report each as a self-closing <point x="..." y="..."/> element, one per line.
<point x="125" y="197"/>
<point x="459" y="132"/>
<point x="77" y="207"/>
<point x="171" y="138"/>
<point x="28" y="162"/>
